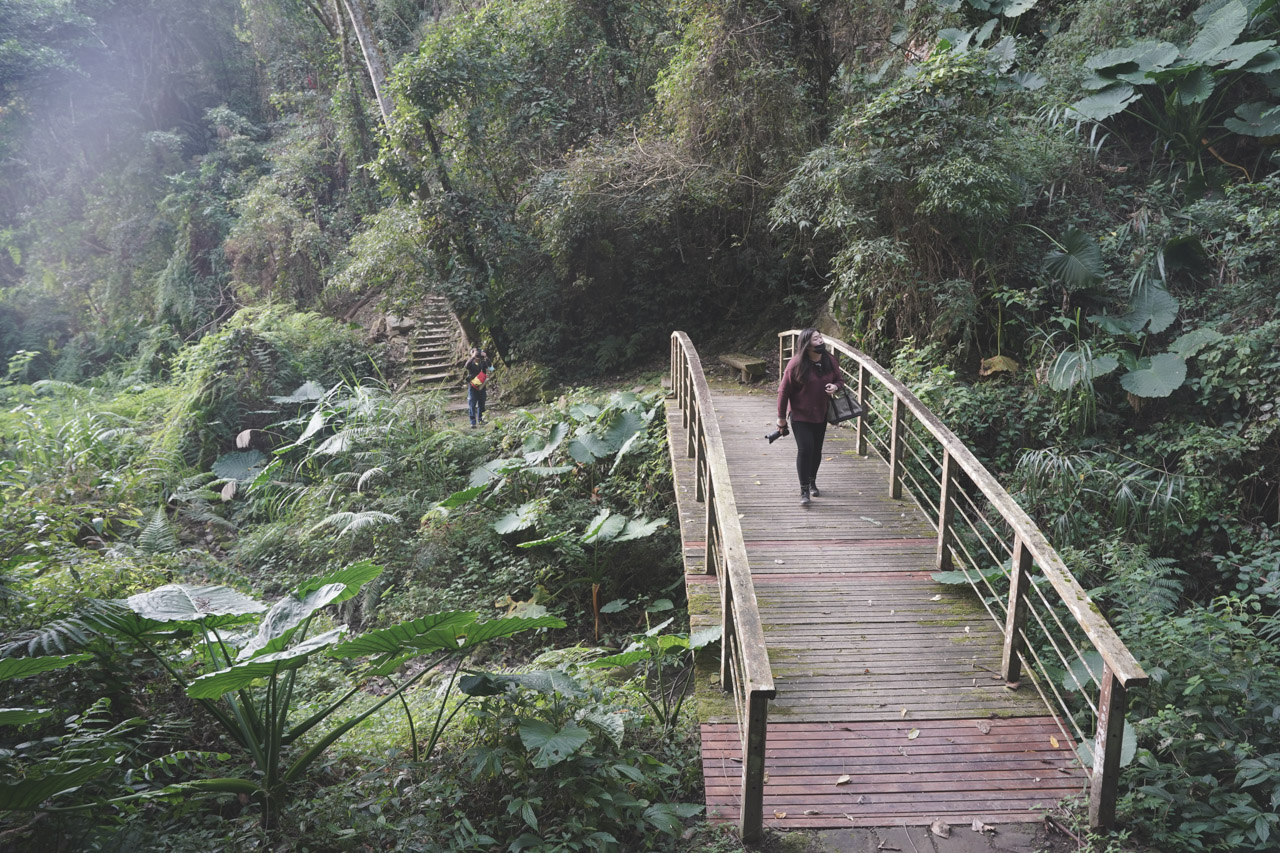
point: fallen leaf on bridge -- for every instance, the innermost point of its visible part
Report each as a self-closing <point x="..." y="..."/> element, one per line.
<point x="844" y="780"/>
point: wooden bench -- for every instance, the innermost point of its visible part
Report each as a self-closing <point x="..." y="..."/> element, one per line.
<point x="747" y="366"/>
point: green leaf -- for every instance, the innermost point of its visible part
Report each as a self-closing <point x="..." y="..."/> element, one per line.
<point x="1220" y="32"/>
<point x="1152" y="304"/>
<point x="483" y="632"/>
<point x="1196" y="86"/>
<point x="535" y="455"/>
<point x="459" y="498"/>
<point x="549" y="681"/>
<point x="1158" y="377"/>
<point x="352" y="577"/>
<point x="616" y="606"/>
<point x="1128" y="748"/>
<point x="624" y="427"/>
<point x="1106" y="103"/>
<point x="1190" y="343"/>
<point x="660" y="606"/>
<point x="626" y="658"/>
<point x="1084" y="672"/>
<point x="304" y="393"/>
<point x="587" y="447"/>
<point x="549" y="745"/>
<point x="1077" y="262"/>
<point x="239" y="465"/>
<point x="437" y="632"/>
<point x="1255" y="119"/>
<point x="494" y="469"/>
<point x="705" y="636"/>
<point x="278" y="626"/>
<point x="11" y="668"/>
<point x="22" y="716"/>
<point x="638" y="528"/>
<point x="612" y="726"/>
<point x="1014" y="8"/>
<point x="521" y="518"/>
<point x="667" y="816"/>
<point x="208" y="605"/>
<point x="544" y="541"/>
<point x="241" y="675"/>
<point x="1239" y="55"/>
<point x="959" y="577"/>
<point x="584" y="412"/>
<point x="1074" y="366"/>
<point x="27" y="794"/>
<point x="604" y="527"/>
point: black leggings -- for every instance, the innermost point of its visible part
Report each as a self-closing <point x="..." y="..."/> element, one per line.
<point x="808" y="450"/>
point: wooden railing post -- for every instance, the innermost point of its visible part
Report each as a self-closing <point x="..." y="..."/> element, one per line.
<point x="946" y="511"/>
<point x="1106" y="751"/>
<point x="751" y="821"/>
<point x="895" y="450"/>
<point x="1016" y="618"/>
<point x="860" y="437"/>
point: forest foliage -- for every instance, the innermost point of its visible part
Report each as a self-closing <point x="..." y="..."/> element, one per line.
<point x="1060" y="211"/>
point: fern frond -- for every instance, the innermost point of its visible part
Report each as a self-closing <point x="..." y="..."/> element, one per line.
<point x="158" y="536"/>
<point x="352" y="522"/>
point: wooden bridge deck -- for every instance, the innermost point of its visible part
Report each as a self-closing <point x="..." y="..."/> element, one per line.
<point x="890" y="709"/>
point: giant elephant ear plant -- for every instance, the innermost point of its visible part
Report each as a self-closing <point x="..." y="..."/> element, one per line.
<point x="250" y="677"/>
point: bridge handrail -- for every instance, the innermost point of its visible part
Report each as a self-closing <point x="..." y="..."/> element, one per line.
<point x="1030" y="548"/>
<point x="744" y="660"/>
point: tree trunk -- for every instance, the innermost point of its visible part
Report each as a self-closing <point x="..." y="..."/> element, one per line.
<point x="373" y="60"/>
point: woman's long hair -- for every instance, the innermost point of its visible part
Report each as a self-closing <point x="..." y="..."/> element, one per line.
<point x="806" y="365"/>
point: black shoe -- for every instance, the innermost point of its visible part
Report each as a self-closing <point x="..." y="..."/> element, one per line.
<point x="813" y="490"/>
<point x="804" y="497"/>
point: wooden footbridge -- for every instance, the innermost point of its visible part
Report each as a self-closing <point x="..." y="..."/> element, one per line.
<point x="853" y="688"/>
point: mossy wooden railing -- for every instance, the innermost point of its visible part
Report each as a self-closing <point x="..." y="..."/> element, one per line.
<point x="744" y="660"/>
<point x="1075" y="661"/>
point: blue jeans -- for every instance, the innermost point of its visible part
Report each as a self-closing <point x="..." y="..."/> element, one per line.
<point x="475" y="404"/>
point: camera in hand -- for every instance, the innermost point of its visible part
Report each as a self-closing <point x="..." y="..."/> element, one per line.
<point x="777" y="434"/>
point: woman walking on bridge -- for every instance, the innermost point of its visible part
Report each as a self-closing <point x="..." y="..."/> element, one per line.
<point x="810" y="378"/>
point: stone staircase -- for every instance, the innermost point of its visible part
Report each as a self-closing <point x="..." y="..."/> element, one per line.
<point x="437" y="348"/>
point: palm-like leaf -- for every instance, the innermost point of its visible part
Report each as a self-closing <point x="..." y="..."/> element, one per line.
<point x="28" y="794"/>
<point x="11" y="668"/>
<point x="1077" y="262"/>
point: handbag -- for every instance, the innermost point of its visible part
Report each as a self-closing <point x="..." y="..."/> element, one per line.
<point x="479" y="379"/>
<point x="842" y="407"/>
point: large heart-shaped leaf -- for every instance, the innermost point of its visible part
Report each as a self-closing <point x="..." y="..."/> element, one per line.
<point x="1159" y="376"/>
<point x="1219" y="33"/>
<point x="22" y="667"/>
<point x="494" y="469"/>
<point x="437" y="632"/>
<point x="242" y="674"/>
<point x="550" y="681"/>
<point x="604" y="527"/>
<point x="483" y="632"/>
<point x="1195" y="87"/>
<point x="638" y="528"/>
<point x="1077" y="262"/>
<point x="588" y="447"/>
<point x="1192" y="342"/>
<point x="550" y="745"/>
<point x="1239" y="55"/>
<point x="1255" y="119"/>
<point x="538" y="450"/>
<point x="624" y="426"/>
<point x="283" y="619"/>
<point x="1106" y="103"/>
<point x="523" y="517"/>
<point x="208" y="605"/>
<point x="352" y="578"/>
<point x="1152" y="307"/>
<point x="1073" y="366"/>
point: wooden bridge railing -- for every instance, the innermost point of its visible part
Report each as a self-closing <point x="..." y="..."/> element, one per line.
<point x="744" y="659"/>
<point x="1077" y="658"/>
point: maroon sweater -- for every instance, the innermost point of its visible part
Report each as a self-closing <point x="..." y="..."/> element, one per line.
<point x="808" y="402"/>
